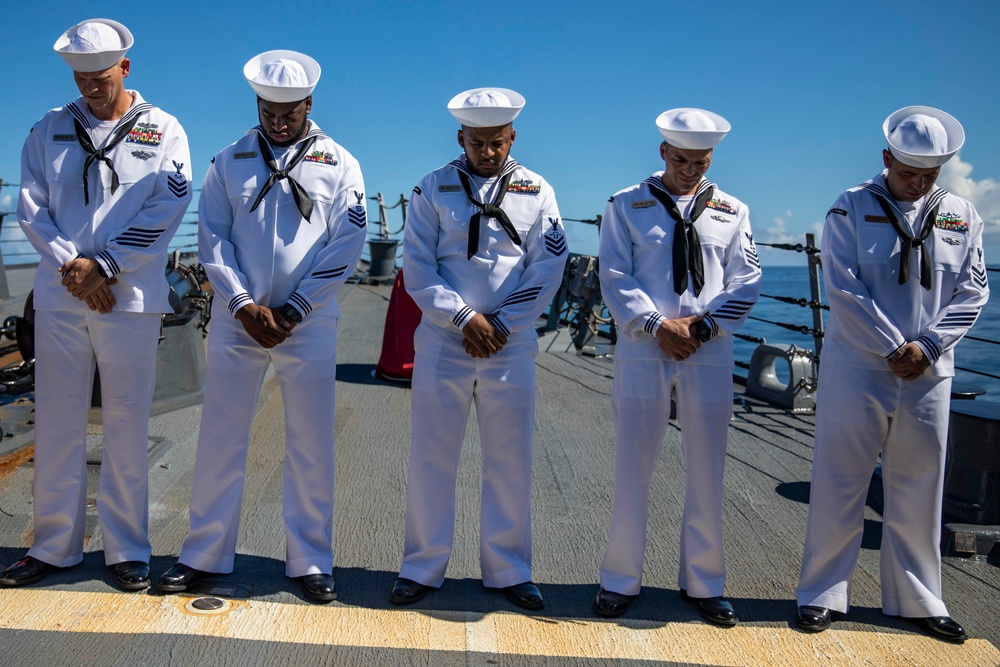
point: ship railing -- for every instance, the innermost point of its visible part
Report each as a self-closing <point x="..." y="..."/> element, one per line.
<point x="979" y="339"/>
<point x="16" y="250"/>
<point x="814" y="302"/>
<point x="578" y="306"/>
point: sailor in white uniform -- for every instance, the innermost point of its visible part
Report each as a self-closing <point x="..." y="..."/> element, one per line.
<point x="904" y="274"/>
<point x="105" y="181"/>
<point x="679" y="273"/>
<point x="283" y="222"/>
<point x="483" y="254"/>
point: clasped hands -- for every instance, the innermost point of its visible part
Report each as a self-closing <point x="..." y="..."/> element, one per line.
<point x="908" y="362"/>
<point x="482" y="338"/>
<point x="266" y="325"/>
<point x="676" y="337"/>
<point x="83" y="279"/>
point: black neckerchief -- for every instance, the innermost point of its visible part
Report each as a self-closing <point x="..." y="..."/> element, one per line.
<point x="94" y="154"/>
<point x="883" y="196"/>
<point x="302" y="199"/>
<point x="687" y="255"/>
<point x="492" y="210"/>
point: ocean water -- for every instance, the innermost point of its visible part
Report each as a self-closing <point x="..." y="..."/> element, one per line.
<point x="794" y="281"/>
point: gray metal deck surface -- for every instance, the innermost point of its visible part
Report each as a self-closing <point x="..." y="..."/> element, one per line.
<point x="77" y="616"/>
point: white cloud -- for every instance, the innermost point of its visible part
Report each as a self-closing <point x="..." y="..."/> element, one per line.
<point x="7" y="203"/>
<point x="779" y="232"/>
<point x="783" y="230"/>
<point x="956" y="176"/>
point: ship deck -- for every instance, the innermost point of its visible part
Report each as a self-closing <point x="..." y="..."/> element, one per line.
<point x="77" y="616"/>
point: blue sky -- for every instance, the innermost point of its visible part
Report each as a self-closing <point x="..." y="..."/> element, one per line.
<point x="805" y="86"/>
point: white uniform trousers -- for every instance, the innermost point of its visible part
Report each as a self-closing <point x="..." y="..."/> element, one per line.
<point x="640" y="405"/>
<point x="69" y="345"/>
<point x="445" y="382"/>
<point x="861" y="412"/>
<point x="305" y="365"/>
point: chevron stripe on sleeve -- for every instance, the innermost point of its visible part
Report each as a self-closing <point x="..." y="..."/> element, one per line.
<point x="733" y="309"/>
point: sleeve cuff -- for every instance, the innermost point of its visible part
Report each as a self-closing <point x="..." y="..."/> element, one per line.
<point x="500" y="325"/>
<point x="894" y="351"/>
<point x="653" y="320"/>
<point x="463" y="316"/>
<point x="710" y="321"/>
<point x="108" y="263"/>
<point x="238" y="301"/>
<point x="301" y="303"/>
<point x="932" y="349"/>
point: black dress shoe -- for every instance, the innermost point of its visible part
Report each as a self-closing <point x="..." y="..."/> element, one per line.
<point x="611" y="604"/>
<point x="318" y="587"/>
<point x="525" y="595"/>
<point x="717" y="610"/>
<point x="179" y="578"/>
<point x="943" y="627"/>
<point x="408" y="591"/>
<point x="26" y="571"/>
<point x="132" y="575"/>
<point x="812" y="619"/>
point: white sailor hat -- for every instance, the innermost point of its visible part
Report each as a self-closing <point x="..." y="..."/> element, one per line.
<point x="923" y="137"/>
<point x="94" y="45"/>
<point x="692" y="129"/>
<point x="282" y="76"/>
<point x="486" y="107"/>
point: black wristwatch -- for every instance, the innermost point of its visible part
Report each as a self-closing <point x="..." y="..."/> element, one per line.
<point x="290" y="313"/>
<point x="702" y="332"/>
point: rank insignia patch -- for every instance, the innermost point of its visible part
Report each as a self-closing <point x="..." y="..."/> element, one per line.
<point x="643" y="204"/>
<point x="321" y="157"/>
<point x="876" y="218"/>
<point x="356" y="214"/>
<point x="177" y="182"/>
<point x="64" y="137"/>
<point x="417" y="190"/>
<point x="951" y="222"/>
<point x="245" y="155"/>
<point x="979" y="271"/>
<point x="555" y="240"/>
<point x="449" y="188"/>
<point x="145" y="135"/>
<point x="838" y="211"/>
<point x="524" y="186"/>
<point x="721" y="205"/>
<point x="142" y="155"/>
<point x="750" y="252"/>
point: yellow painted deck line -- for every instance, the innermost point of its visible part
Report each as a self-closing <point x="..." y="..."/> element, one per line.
<point x="500" y="633"/>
